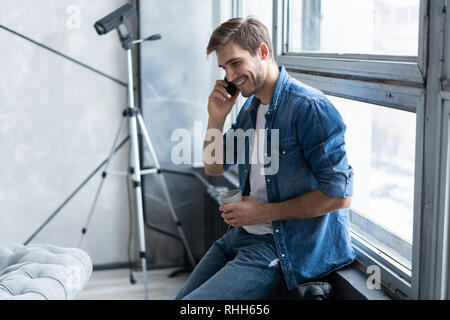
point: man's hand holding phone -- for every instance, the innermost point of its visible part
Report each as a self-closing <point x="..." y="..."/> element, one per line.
<point x="220" y="102"/>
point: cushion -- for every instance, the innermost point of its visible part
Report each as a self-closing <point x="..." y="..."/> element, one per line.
<point x="42" y="271"/>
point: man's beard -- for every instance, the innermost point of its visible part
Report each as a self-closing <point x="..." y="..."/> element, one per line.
<point x="258" y="80"/>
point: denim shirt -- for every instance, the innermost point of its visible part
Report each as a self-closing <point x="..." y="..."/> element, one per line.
<point x="311" y="156"/>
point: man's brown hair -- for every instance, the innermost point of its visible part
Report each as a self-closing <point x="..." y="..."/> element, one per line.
<point x="248" y="33"/>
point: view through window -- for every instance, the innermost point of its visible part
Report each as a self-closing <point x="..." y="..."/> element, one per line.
<point x="380" y="143"/>
<point x="379" y="27"/>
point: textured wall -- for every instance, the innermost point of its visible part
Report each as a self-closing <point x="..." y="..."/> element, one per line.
<point x="58" y="120"/>
<point x="57" y="123"/>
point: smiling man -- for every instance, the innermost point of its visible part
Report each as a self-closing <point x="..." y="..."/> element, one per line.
<point x="292" y="224"/>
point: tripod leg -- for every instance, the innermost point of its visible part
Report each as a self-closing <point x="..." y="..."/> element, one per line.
<point x="165" y="189"/>
<point x="147" y="140"/>
<point x="136" y="174"/>
<point x="136" y="177"/>
<point x="111" y="154"/>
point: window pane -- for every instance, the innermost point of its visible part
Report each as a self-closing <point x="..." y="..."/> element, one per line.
<point x="260" y="9"/>
<point x="382" y="27"/>
<point x="380" y="144"/>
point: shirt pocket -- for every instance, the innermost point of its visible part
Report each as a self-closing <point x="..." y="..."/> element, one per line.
<point x="292" y="163"/>
<point x="288" y="148"/>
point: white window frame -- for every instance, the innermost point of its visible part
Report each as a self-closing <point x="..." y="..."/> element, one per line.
<point x="440" y="257"/>
<point x="402" y="98"/>
<point x="446" y="50"/>
<point x="445" y="159"/>
<point x="390" y="81"/>
<point x="382" y="67"/>
<point x="434" y="238"/>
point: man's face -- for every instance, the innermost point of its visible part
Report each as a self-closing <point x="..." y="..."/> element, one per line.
<point x="246" y="72"/>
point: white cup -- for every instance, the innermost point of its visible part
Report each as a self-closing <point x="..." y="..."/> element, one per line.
<point x="234" y="195"/>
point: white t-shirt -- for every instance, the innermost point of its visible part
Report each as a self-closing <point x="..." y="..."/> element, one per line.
<point x="257" y="178"/>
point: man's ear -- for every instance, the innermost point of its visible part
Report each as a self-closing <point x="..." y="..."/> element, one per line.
<point x="263" y="51"/>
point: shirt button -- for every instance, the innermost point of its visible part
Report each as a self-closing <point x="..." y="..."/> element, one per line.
<point x="283" y="152"/>
<point x="268" y="180"/>
<point x="277" y="230"/>
<point x="283" y="255"/>
<point x="268" y="112"/>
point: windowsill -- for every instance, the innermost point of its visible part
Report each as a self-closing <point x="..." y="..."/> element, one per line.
<point x="350" y="283"/>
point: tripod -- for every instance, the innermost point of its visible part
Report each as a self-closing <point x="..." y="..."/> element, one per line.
<point x="135" y="120"/>
<point x="103" y="26"/>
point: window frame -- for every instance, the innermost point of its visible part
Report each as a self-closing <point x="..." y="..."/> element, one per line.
<point x="446" y="51"/>
<point x="440" y="258"/>
<point x="398" y="97"/>
<point x="444" y="212"/>
<point x="364" y="66"/>
<point x="389" y="81"/>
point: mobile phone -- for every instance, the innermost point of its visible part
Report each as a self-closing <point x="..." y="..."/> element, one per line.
<point x="231" y="89"/>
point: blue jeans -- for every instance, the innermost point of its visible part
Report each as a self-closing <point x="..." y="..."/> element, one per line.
<point x="239" y="265"/>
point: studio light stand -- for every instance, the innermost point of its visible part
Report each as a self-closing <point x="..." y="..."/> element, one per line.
<point x="110" y="22"/>
<point x="135" y="120"/>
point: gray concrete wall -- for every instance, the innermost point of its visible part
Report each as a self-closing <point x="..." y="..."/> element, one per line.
<point x="57" y="123"/>
<point x="58" y="120"/>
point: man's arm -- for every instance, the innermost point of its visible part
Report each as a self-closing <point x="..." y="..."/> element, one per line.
<point x="309" y="205"/>
<point x="219" y="106"/>
<point x="323" y="150"/>
<point x="212" y="168"/>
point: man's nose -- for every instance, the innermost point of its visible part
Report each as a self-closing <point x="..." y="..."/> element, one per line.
<point x="231" y="76"/>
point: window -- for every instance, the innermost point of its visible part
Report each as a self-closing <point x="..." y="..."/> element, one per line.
<point x="370" y="39"/>
<point x="368" y="58"/>
<point x="377" y="27"/>
<point x="260" y="9"/>
<point x="443" y="226"/>
<point x="380" y="144"/>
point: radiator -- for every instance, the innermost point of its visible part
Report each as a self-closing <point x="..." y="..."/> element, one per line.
<point x="215" y="227"/>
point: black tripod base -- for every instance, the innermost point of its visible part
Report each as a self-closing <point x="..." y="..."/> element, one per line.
<point x="179" y="271"/>
<point x="187" y="268"/>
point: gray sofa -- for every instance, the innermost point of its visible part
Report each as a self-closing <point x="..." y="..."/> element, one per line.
<point x="42" y="271"/>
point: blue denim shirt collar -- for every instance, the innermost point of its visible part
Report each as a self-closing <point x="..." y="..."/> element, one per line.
<point x="282" y="82"/>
